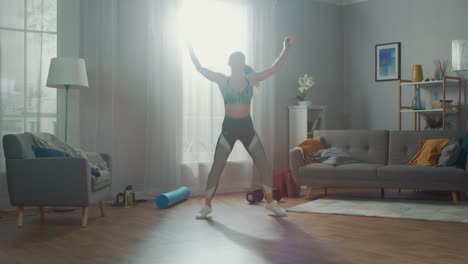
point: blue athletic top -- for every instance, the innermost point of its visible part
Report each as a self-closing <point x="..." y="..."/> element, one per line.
<point x="232" y="96"/>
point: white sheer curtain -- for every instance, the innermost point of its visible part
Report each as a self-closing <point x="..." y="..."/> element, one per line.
<point x="28" y="40"/>
<point x="149" y="107"/>
<point x="133" y="107"/>
<point x="263" y="46"/>
<point x="164" y="99"/>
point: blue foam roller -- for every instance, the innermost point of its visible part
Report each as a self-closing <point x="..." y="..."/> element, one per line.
<point x="165" y="200"/>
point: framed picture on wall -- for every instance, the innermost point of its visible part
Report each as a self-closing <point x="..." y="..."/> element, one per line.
<point x="387" y="61"/>
<point x="460" y="55"/>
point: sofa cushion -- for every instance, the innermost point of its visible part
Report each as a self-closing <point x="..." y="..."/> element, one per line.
<point x="355" y="171"/>
<point x="367" y="146"/>
<point x="450" y="153"/>
<point x="310" y="147"/>
<point x="404" y="144"/>
<point x="461" y="162"/>
<point x="413" y="173"/>
<point x="428" y="152"/>
<point x="48" y="153"/>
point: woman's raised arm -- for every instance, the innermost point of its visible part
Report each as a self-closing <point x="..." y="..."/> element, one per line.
<point x="216" y="77"/>
<point x="277" y="64"/>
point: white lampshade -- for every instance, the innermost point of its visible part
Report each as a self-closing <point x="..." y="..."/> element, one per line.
<point x="67" y="71"/>
<point x="460" y="55"/>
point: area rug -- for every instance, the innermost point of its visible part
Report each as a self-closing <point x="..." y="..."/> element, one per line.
<point x="444" y="211"/>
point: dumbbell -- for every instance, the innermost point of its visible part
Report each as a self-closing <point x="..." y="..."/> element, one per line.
<point x="254" y="196"/>
<point x="257" y="195"/>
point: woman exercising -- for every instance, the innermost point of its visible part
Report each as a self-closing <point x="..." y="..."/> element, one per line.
<point x="237" y="91"/>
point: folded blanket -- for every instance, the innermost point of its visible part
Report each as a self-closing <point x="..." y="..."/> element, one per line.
<point x="334" y="156"/>
<point x="46" y="140"/>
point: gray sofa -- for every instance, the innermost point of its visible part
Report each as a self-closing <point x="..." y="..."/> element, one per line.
<point x="383" y="156"/>
<point x="50" y="181"/>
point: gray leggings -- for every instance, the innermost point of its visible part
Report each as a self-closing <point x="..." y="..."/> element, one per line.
<point x="233" y="130"/>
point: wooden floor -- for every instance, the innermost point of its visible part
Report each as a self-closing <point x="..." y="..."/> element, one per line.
<point x="236" y="233"/>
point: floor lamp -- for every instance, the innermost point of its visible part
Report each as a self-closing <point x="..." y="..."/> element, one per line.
<point x="67" y="73"/>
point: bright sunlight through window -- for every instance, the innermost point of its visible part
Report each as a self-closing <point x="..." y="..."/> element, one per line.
<point x="215" y="29"/>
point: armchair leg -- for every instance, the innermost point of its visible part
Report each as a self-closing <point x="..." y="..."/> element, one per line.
<point x="84" y="216"/>
<point x="454" y="197"/>
<point x="325" y="191"/>
<point x="42" y="212"/>
<point x="20" y="216"/>
<point x="102" y="207"/>
<point x="382" y="193"/>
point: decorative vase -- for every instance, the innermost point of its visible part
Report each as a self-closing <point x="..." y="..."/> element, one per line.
<point x="417" y="73"/>
<point x="439" y="75"/>
<point x="304" y="103"/>
<point x="416" y="102"/>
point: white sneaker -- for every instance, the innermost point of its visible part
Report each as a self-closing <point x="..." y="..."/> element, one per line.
<point x="204" y="212"/>
<point x="276" y="208"/>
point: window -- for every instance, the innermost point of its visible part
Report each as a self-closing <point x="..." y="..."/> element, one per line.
<point x="215" y="29"/>
<point x="28" y="40"/>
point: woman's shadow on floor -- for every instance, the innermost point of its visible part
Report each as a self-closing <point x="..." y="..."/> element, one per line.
<point x="294" y="245"/>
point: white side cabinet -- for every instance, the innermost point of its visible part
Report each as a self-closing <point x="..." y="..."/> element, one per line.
<point x="303" y="120"/>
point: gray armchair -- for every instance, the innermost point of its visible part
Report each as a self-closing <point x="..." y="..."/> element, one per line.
<point x="50" y="181"/>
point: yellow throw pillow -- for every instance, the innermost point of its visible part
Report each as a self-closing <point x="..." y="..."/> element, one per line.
<point x="428" y="152"/>
<point x="310" y="147"/>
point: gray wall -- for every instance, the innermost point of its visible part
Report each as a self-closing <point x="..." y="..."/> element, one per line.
<point x="425" y="29"/>
<point x="318" y="50"/>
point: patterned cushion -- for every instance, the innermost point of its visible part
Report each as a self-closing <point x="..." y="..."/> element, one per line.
<point x="449" y="154"/>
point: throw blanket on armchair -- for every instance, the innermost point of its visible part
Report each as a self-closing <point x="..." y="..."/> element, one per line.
<point x="46" y="140"/>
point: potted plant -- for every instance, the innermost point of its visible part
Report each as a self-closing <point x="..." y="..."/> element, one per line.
<point x="305" y="83"/>
<point x="434" y="122"/>
<point x="441" y="69"/>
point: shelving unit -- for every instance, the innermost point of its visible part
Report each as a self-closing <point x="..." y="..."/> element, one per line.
<point x="303" y="120"/>
<point x="444" y="84"/>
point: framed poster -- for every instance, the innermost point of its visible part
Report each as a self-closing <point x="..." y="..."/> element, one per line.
<point x="387" y="61"/>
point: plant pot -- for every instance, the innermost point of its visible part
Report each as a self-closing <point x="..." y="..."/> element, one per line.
<point x="304" y="103"/>
<point x="439" y="76"/>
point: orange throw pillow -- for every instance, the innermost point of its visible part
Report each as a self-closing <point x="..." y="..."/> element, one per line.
<point x="310" y="147"/>
<point x="428" y="152"/>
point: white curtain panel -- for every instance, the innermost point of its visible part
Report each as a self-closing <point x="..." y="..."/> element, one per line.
<point x="262" y="52"/>
<point x="157" y="116"/>
<point x="100" y="104"/>
<point x="163" y="99"/>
